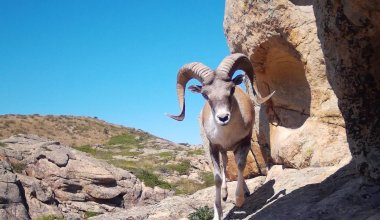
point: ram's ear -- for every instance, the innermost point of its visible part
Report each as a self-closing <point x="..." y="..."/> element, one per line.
<point x="195" y="88"/>
<point x="238" y="79"/>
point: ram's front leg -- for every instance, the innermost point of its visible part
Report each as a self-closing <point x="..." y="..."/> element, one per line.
<point x="224" y="173"/>
<point x="241" y="160"/>
<point x="214" y="153"/>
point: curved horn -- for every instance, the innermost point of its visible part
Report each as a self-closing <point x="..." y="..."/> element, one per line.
<point x="234" y="62"/>
<point x="239" y="61"/>
<point x="187" y="72"/>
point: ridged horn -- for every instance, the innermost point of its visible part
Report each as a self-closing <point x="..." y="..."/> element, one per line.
<point x="239" y="61"/>
<point x="187" y="72"/>
<point x="234" y="62"/>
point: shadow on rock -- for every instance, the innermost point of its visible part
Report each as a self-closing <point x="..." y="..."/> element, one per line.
<point x="254" y="202"/>
<point x="343" y="195"/>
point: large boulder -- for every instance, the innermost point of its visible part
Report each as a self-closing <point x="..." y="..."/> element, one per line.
<point x="59" y="181"/>
<point x="349" y="32"/>
<point x="12" y="201"/>
<point x="301" y="126"/>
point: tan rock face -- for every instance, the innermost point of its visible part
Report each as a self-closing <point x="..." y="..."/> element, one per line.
<point x="301" y="125"/>
<point x="349" y="32"/>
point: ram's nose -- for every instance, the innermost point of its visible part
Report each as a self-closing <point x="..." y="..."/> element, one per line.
<point x="223" y="119"/>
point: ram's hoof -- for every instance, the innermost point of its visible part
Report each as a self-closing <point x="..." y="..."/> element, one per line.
<point x="240" y="201"/>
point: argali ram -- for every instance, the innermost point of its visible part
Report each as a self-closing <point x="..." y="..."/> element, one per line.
<point x="227" y="117"/>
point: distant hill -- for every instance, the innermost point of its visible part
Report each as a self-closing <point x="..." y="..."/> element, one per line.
<point x="70" y="130"/>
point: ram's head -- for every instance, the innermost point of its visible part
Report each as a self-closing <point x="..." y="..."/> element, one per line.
<point x="217" y="87"/>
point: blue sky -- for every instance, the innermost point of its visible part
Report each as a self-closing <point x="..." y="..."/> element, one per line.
<point x="116" y="60"/>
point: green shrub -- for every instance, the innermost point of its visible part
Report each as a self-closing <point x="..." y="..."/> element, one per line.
<point x="18" y="167"/>
<point x="203" y="213"/>
<point x="124" y="164"/>
<point x="123" y="139"/>
<point x="128" y="152"/>
<point x="3" y="144"/>
<point x="309" y="153"/>
<point x="150" y="179"/>
<point x="207" y="178"/>
<point x="167" y="155"/>
<point x="187" y="187"/>
<point x="100" y="154"/>
<point x="163" y="169"/>
<point x="182" y="168"/>
<point x="87" y="149"/>
<point x="90" y="214"/>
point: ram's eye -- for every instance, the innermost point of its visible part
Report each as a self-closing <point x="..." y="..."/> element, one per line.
<point x="232" y="91"/>
<point x="205" y="96"/>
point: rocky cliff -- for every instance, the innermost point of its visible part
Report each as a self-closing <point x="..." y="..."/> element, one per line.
<point x="349" y="32"/>
<point x="301" y="126"/>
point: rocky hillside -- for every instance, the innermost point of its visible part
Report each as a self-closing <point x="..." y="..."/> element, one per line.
<point x="41" y="177"/>
<point x="158" y="166"/>
<point x="183" y="167"/>
<point x="49" y="179"/>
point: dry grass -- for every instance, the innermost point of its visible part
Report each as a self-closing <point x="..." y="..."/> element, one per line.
<point x="70" y="130"/>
